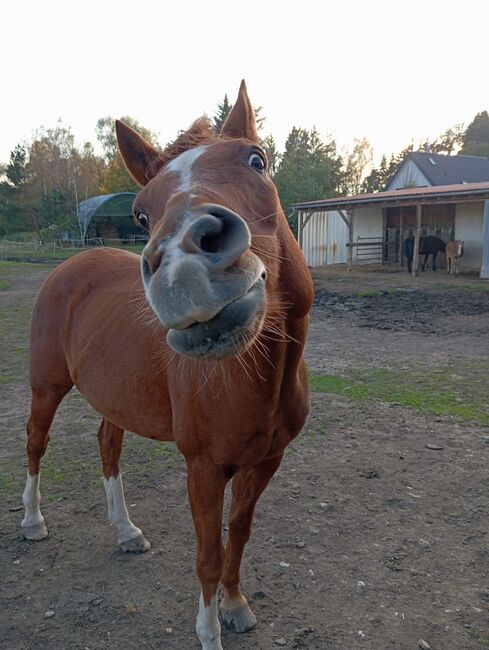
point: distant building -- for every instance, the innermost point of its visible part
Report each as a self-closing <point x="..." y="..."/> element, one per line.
<point x="420" y="169"/>
<point x="450" y="192"/>
<point x="107" y="219"/>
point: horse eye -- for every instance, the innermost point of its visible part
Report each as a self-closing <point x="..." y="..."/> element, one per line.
<point x="142" y="220"/>
<point x="257" y="162"/>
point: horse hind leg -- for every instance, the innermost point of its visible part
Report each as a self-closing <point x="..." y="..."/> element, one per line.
<point x="44" y="403"/>
<point x="130" y="537"/>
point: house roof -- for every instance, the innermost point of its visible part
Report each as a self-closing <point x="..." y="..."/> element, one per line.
<point x="448" y="170"/>
<point x="460" y="193"/>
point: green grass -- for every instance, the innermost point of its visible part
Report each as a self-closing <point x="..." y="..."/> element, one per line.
<point x="368" y="293"/>
<point x="475" y="288"/>
<point x="454" y="389"/>
<point x="48" y="253"/>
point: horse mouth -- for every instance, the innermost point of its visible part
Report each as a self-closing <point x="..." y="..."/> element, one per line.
<point x="226" y="334"/>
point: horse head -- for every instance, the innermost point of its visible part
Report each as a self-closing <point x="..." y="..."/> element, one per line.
<point x="221" y="260"/>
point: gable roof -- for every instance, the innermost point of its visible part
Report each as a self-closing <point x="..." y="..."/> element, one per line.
<point x="449" y="170"/>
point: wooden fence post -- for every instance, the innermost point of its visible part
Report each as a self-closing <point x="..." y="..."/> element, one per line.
<point x="417" y="235"/>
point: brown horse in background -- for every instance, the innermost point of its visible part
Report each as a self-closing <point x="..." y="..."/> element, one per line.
<point x="454" y="252"/>
<point x="214" y="362"/>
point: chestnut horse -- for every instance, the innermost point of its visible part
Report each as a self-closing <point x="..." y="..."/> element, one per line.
<point x="205" y="350"/>
<point x="454" y="252"/>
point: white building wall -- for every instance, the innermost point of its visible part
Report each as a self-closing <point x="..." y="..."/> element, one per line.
<point x="469" y="218"/>
<point x="408" y="176"/>
<point x="367" y="222"/>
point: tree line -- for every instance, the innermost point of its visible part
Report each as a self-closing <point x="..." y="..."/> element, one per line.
<point x="45" y="179"/>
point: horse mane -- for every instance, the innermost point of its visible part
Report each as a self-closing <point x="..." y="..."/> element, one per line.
<point x="200" y="132"/>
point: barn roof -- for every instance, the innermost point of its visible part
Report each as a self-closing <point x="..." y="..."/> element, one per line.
<point x="448" y="170"/>
<point x="460" y="193"/>
<point x="105" y="205"/>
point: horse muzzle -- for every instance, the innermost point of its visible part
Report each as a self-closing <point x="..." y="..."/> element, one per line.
<point x="203" y="282"/>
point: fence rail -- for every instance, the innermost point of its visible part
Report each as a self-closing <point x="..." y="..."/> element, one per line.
<point x="59" y="249"/>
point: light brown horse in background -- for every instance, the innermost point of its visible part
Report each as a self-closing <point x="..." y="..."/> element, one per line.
<point x="231" y="293"/>
<point x="454" y="251"/>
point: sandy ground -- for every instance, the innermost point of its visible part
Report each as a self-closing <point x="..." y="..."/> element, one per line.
<point x="373" y="534"/>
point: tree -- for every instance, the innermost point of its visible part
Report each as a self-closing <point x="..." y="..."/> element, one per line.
<point x="44" y="182"/>
<point x="116" y="177"/>
<point x="449" y="142"/>
<point x="476" y="140"/>
<point x="309" y="169"/>
<point x="378" y="178"/>
<point x="12" y="215"/>
<point x="223" y="110"/>
<point x="357" y="162"/>
<point x="270" y="148"/>
<point x="221" y="113"/>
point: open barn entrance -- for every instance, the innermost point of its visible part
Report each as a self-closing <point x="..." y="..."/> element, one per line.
<point x="400" y="223"/>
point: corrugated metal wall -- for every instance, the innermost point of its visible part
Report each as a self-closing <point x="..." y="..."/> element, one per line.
<point x="484" y="273"/>
<point x="324" y="239"/>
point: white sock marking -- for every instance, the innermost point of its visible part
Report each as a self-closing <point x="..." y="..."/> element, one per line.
<point x="32" y="501"/>
<point x="118" y="513"/>
<point x="208" y="627"/>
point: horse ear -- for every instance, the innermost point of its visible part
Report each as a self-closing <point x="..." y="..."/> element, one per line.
<point x="139" y="156"/>
<point x="241" y="123"/>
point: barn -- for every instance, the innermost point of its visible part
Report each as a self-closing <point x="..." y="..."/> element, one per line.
<point x="107" y="219"/>
<point x="370" y="228"/>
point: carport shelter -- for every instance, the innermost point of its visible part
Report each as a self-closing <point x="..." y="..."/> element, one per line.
<point x="109" y="217"/>
<point x="372" y="227"/>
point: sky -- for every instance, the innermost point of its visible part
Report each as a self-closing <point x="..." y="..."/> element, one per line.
<point x="392" y="72"/>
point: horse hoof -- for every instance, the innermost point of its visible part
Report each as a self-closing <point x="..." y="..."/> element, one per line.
<point x="36" y="532"/>
<point x="137" y="544"/>
<point x="239" y="620"/>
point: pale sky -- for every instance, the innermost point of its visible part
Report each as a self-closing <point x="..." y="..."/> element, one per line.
<point x="389" y="71"/>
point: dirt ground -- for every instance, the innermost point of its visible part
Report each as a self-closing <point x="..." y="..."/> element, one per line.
<point x="373" y="534"/>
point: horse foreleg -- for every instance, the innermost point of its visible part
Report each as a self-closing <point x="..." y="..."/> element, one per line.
<point x="130" y="537"/>
<point x="205" y="484"/>
<point x="247" y="487"/>
<point x="43" y="407"/>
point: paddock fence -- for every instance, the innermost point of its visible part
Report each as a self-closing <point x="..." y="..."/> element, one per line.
<point x="59" y="249"/>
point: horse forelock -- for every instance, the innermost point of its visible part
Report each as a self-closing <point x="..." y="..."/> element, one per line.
<point x="200" y="132"/>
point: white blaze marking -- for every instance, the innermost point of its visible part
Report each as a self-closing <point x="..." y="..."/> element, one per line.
<point x="208" y="627"/>
<point x="32" y="500"/>
<point x="183" y="164"/>
<point x="118" y="514"/>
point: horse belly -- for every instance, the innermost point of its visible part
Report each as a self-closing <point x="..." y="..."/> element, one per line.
<point x="148" y="415"/>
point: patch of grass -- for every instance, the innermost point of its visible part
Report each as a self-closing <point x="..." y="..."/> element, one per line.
<point x="48" y="253"/>
<point x="5" y="265"/>
<point x="4" y="285"/>
<point x="368" y="293"/>
<point x="475" y="288"/>
<point x="454" y="389"/>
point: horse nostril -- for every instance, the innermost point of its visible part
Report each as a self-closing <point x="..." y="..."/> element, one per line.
<point x="210" y="243"/>
<point x="264" y="275"/>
